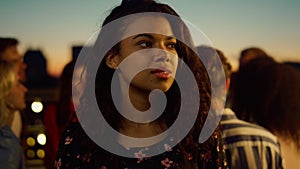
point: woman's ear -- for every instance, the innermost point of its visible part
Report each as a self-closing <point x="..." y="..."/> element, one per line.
<point x="227" y="84"/>
<point x="112" y="60"/>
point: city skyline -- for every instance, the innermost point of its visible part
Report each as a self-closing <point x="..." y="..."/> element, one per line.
<point x="55" y="26"/>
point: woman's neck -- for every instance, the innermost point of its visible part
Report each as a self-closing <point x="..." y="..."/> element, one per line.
<point x="139" y="98"/>
<point x="141" y="130"/>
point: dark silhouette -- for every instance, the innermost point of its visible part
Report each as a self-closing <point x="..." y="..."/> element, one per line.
<point x="37" y="75"/>
<point x="268" y="93"/>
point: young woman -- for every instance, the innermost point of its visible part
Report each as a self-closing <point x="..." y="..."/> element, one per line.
<point x="12" y="97"/>
<point x="139" y="63"/>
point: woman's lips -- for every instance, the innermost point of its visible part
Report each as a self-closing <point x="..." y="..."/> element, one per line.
<point x="162" y="74"/>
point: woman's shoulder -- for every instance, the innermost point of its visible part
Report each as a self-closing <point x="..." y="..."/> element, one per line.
<point x="7" y="136"/>
<point x="11" y="152"/>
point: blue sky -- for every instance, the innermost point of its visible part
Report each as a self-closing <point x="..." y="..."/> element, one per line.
<point x="231" y="25"/>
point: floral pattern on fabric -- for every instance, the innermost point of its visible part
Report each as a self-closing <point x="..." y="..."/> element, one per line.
<point x="77" y="151"/>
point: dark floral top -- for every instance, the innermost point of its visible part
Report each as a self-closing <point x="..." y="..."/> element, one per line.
<point x="77" y="151"/>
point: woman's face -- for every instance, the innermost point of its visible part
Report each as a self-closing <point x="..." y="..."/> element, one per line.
<point x="160" y="58"/>
<point x="16" y="97"/>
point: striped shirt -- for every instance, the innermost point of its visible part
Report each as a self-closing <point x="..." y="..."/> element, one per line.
<point x="248" y="145"/>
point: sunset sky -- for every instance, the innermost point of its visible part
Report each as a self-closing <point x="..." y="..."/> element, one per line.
<point x="231" y="25"/>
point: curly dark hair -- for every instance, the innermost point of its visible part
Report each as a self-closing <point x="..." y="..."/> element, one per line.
<point x="268" y="93"/>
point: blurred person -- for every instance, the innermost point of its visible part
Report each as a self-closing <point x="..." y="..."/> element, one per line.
<point x="247" y="145"/>
<point x="78" y="150"/>
<point x="12" y="97"/>
<point x="246" y="55"/>
<point x="241" y="104"/>
<point x="268" y="93"/>
<point x="58" y="115"/>
<point x="65" y="106"/>
<point x="251" y="53"/>
<point x="9" y="52"/>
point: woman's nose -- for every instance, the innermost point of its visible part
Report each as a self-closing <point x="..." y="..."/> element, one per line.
<point x="162" y="55"/>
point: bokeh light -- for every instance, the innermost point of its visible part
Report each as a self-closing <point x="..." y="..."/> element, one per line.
<point x="40" y="153"/>
<point x="41" y="138"/>
<point x="30" y="141"/>
<point x="37" y="106"/>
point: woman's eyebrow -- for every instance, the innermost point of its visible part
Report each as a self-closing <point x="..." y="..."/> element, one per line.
<point x="171" y="37"/>
<point x="144" y="34"/>
<point x="152" y="37"/>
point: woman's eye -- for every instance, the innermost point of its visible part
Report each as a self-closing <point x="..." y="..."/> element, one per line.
<point x="171" y="45"/>
<point x="145" y="44"/>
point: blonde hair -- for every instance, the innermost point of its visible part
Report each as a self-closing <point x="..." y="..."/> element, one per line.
<point x="7" y="80"/>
